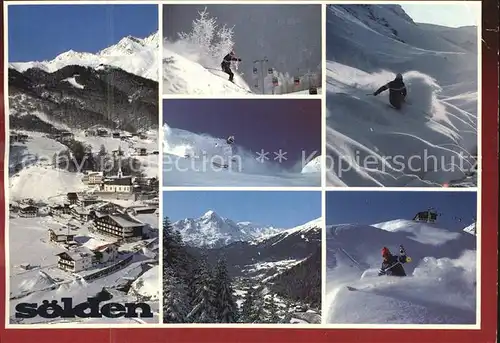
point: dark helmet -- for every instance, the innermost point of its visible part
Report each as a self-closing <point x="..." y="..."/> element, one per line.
<point x="399" y="76"/>
<point x="385" y="252"/>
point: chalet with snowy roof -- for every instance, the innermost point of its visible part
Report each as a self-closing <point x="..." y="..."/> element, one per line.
<point x="103" y="251"/>
<point x="116" y="134"/>
<point x="80" y="213"/>
<point x="61" y="235"/>
<point x="119" y="225"/>
<point x="118" y="184"/>
<point x="104" y="209"/>
<point x="57" y="210"/>
<point x="84" y="213"/>
<point x="75" y="260"/>
<point x="28" y="211"/>
<point x="85" y="200"/>
<point x="144" y="210"/>
<point x="429" y="216"/>
<point x="93" y="178"/>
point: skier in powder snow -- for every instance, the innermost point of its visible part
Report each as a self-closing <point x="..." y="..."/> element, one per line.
<point x="397" y="91"/>
<point x="393" y="265"/>
<point x="226" y="64"/>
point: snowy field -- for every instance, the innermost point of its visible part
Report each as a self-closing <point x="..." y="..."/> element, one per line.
<point x="181" y="169"/>
<point x="432" y="141"/>
<point x="440" y="287"/>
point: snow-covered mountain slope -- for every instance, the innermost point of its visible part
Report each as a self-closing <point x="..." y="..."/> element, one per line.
<point x="464" y="37"/>
<point x="137" y="56"/>
<point x="287" y="262"/>
<point x="77" y="97"/>
<point x="433" y="139"/>
<point x="440" y="287"/>
<point x="291" y="46"/>
<point x="146" y="286"/>
<point x="189" y="160"/>
<point x="291" y="245"/>
<point x="212" y="230"/>
<point x="183" y="76"/>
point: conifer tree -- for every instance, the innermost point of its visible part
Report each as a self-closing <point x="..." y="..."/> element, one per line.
<point x="271" y="309"/>
<point x="225" y="304"/>
<point x="175" y="298"/>
<point x="204" y="297"/>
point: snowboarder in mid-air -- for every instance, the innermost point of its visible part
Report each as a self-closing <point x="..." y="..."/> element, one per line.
<point x="393" y="265"/>
<point x="397" y="91"/>
<point x="226" y="151"/>
<point x="226" y="64"/>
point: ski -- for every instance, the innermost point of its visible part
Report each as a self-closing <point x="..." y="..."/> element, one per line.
<point x="225" y="166"/>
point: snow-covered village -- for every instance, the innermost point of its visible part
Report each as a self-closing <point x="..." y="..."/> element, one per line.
<point x="83" y="178"/>
<point x="84" y="231"/>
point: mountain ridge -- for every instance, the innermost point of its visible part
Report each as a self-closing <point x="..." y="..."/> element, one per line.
<point x="143" y="50"/>
<point x="214" y="231"/>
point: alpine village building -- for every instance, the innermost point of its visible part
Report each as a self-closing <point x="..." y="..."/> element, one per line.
<point x="119" y="225"/>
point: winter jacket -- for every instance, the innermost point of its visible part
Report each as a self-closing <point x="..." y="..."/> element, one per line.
<point x="397" y="92"/>
<point x="226" y="61"/>
<point x="393" y="266"/>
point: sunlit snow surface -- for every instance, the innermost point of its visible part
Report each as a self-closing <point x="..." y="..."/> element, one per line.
<point x="440" y="287"/>
<point x="431" y="140"/>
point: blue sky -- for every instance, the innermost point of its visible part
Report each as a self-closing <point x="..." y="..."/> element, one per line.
<point x="466" y="13"/>
<point x="284" y="209"/>
<point x="41" y="32"/>
<point x="365" y="207"/>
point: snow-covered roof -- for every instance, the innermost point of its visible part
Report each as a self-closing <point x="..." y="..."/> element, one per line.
<point x="125" y="221"/>
<point x="123" y="181"/>
<point x="28" y="207"/>
<point x="97" y="244"/>
<point x="77" y="253"/>
<point x="94" y="173"/>
<point x="61" y="231"/>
